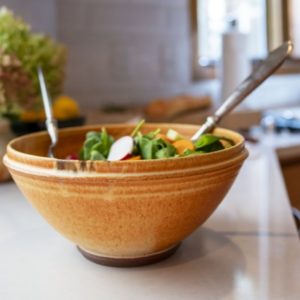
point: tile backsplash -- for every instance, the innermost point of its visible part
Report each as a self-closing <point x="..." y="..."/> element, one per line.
<point x="119" y="51"/>
<point x="40" y="14"/>
<point x="125" y="51"/>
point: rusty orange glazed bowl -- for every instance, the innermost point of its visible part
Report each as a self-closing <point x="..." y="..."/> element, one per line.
<point x="123" y="213"/>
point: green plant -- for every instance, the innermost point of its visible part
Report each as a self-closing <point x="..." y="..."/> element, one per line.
<point x="21" y="52"/>
<point x="96" y="145"/>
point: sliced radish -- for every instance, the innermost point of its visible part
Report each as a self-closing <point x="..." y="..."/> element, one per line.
<point x="121" y="149"/>
<point x="72" y="156"/>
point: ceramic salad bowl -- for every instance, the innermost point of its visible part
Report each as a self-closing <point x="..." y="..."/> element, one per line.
<point x="123" y="213"/>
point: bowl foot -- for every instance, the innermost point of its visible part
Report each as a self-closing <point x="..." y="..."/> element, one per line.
<point x="128" y="261"/>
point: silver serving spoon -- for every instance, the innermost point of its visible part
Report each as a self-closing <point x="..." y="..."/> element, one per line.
<point x="51" y="123"/>
<point x="260" y="74"/>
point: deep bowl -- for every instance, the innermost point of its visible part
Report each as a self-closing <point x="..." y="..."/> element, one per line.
<point x="128" y="212"/>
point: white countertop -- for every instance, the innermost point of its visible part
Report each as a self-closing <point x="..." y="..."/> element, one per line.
<point x="248" y="249"/>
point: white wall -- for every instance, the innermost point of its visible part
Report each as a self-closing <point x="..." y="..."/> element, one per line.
<point x="125" y="51"/>
<point x="40" y="14"/>
<point x="295" y="23"/>
<point x="120" y="51"/>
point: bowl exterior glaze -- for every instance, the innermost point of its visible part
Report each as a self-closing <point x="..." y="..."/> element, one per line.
<point x="128" y="208"/>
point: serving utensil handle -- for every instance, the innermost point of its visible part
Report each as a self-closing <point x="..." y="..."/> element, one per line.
<point x="51" y="123"/>
<point x="260" y="74"/>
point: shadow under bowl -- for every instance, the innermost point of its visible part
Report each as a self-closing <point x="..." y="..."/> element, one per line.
<point x="124" y="213"/>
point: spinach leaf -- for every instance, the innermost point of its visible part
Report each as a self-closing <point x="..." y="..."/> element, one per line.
<point x="164" y="149"/>
<point x="216" y="146"/>
<point x="205" y="140"/>
<point x="95" y="155"/>
<point x="150" y="147"/>
<point x="209" y="143"/>
<point x="143" y="146"/>
<point x="96" y="145"/>
<point x="146" y="148"/>
<point x="107" y="140"/>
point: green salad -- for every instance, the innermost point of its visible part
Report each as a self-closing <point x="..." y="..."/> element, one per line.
<point x="152" y="145"/>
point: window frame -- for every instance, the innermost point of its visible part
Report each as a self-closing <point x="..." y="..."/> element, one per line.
<point x="278" y="31"/>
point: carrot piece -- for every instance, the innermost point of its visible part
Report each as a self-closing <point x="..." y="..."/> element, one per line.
<point x="182" y="145"/>
<point x="135" y="158"/>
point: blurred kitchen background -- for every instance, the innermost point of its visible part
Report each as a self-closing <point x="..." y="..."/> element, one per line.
<point x="132" y="51"/>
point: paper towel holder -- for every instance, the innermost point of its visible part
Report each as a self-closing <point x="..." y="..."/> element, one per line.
<point x="258" y="76"/>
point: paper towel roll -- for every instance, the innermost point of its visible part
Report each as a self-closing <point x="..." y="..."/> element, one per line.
<point x="235" y="64"/>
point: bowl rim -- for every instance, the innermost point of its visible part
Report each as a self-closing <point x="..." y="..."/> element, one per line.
<point x="79" y="128"/>
<point x="15" y="159"/>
